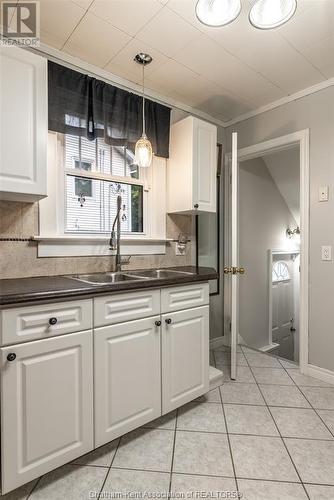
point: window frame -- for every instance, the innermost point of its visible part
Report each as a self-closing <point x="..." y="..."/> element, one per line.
<point x="53" y="240"/>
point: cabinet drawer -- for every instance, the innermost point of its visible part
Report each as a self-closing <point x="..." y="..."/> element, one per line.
<point x="184" y="297"/>
<point x="36" y="322"/>
<point x="126" y="307"/>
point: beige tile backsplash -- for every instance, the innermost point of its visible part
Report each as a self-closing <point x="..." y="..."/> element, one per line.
<point x="19" y="259"/>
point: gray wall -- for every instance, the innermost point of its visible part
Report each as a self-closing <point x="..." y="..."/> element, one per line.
<point x="315" y="112"/>
<point x="263" y="219"/>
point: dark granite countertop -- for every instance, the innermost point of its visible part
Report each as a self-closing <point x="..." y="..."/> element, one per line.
<point x="31" y="290"/>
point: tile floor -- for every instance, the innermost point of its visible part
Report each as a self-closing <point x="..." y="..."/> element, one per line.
<point x="269" y="435"/>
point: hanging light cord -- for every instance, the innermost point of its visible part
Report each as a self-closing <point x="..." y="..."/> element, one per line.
<point x="144" y="98"/>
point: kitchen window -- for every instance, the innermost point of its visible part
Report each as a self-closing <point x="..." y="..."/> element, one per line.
<point x="95" y="174"/>
<point x="84" y="179"/>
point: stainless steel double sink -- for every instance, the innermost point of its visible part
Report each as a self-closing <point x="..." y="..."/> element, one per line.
<point x="110" y="278"/>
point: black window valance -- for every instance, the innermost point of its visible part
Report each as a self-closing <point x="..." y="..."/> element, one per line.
<point x="82" y="105"/>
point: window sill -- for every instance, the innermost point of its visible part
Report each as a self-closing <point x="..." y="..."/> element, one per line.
<point x="88" y="245"/>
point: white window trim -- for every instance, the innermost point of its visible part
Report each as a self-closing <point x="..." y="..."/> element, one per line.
<point x="52" y="239"/>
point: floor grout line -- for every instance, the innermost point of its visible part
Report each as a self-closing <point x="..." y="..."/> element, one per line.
<point x="173" y="452"/>
<point x="109" y="468"/>
<point x="229" y="442"/>
<point x="309" y="402"/>
<point x="34" y="488"/>
<point x="284" y="444"/>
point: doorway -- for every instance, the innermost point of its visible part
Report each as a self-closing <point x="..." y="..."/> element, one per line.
<point x="267" y="232"/>
<point x="268" y="225"/>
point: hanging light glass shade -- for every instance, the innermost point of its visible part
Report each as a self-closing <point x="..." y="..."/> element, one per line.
<point x="143" y="152"/>
<point x="143" y="149"/>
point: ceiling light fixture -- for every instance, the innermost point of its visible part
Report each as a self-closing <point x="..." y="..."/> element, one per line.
<point x="217" y="12"/>
<point x="269" y="14"/>
<point x="143" y="149"/>
<point x="290" y="233"/>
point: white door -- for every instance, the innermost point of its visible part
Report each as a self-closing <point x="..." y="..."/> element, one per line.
<point x="127" y="377"/>
<point x="283" y="308"/>
<point x="23" y="125"/>
<point x="46" y="406"/>
<point x="233" y="269"/>
<point x="205" y="166"/>
<point x="185" y="356"/>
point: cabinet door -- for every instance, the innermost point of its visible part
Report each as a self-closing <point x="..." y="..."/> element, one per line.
<point x="204" y="166"/>
<point x="46" y="406"/>
<point x="185" y="356"/>
<point x="127" y="377"/>
<point x="23" y="125"/>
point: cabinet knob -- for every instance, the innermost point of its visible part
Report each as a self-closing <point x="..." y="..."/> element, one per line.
<point x="11" y="356"/>
<point x="158" y="323"/>
<point x="53" y="321"/>
<point x="168" y="321"/>
<point x="196" y="205"/>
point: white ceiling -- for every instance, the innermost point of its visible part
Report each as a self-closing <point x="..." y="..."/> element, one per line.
<point x="224" y="72"/>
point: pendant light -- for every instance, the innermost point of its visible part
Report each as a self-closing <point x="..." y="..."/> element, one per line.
<point x="143" y="150"/>
<point x="269" y="14"/>
<point x="217" y="12"/>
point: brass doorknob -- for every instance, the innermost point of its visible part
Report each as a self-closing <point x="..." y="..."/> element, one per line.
<point x="234" y="270"/>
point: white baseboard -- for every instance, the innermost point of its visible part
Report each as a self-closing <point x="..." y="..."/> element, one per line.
<point x="269" y="347"/>
<point x="319" y="373"/>
<point x="241" y="340"/>
<point x="217" y="342"/>
<point x="216" y="377"/>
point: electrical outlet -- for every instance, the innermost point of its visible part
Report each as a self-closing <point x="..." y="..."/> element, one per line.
<point x="326" y="252"/>
<point x="323" y="193"/>
<point x="180" y="249"/>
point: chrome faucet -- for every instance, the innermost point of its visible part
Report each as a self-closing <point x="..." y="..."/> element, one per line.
<point x="115" y="238"/>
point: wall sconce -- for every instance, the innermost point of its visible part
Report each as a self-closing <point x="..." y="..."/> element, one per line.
<point x="290" y="233"/>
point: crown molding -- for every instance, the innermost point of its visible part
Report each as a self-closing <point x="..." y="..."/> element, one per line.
<point x="281" y="102"/>
<point x="77" y="64"/>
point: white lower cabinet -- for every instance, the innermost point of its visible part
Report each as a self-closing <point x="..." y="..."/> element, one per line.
<point x="127" y="379"/>
<point x="185" y="356"/>
<point x="46" y="406"/>
<point x="65" y="395"/>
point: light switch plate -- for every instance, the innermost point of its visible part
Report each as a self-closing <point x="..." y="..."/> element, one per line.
<point x="326" y="252"/>
<point x="323" y="193"/>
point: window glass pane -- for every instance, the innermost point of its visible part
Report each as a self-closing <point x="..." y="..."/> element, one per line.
<point x="72" y="155"/>
<point x="97" y="156"/>
<point x="91" y="205"/>
<point x="88" y="154"/>
<point x="280" y="272"/>
<point x="103" y="157"/>
<point x="118" y="160"/>
<point x="83" y="187"/>
<point x="131" y="169"/>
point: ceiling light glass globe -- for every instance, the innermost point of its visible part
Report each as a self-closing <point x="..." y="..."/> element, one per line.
<point x="269" y="14"/>
<point x="217" y="12"/>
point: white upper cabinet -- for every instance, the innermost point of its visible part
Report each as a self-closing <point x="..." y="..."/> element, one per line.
<point x="23" y="125"/>
<point x="192" y="167"/>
